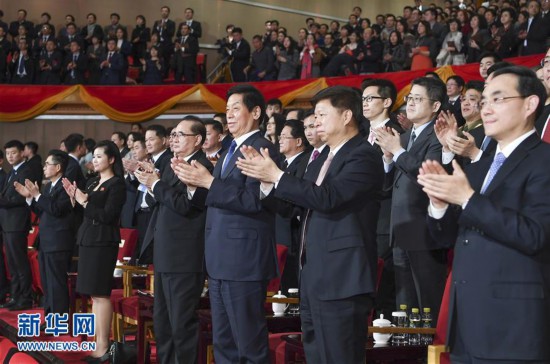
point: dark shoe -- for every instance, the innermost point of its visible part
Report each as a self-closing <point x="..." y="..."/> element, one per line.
<point x="20" y="306"/>
<point x="10" y="303"/>
<point x="95" y="360"/>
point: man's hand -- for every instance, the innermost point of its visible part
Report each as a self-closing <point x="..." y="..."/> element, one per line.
<point x="22" y="190"/>
<point x="146" y="166"/>
<point x="463" y="147"/>
<point x="445" y="127"/>
<point x="404" y="121"/>
<point x="130" y="165"/>
<point x="193" y="174"/>
<point x="388" y="139"/>
<point x="258" y="165"/>
<point x="33" y="188"/>
<point x="442" y="187"/>
<point x="146" y="178"/>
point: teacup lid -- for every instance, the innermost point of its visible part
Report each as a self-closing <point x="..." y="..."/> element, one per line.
<point x="279" y="295"/>
<point x="293" y="290"/>
<point x="381" y="322"/>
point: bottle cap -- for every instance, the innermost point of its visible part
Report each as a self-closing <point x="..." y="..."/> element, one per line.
<point x="398" y="314"/>
<point x="403" y="307"/>
<point x="427" y="309"/>
<point x="415" y="310"/>
<point x="293" y="290"/>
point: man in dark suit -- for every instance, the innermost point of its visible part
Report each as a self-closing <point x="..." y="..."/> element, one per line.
<point x="22" y="65"/>
<point x="240" y="55"/>
<point x="34" y="161"/>
<point x="45" y="20"/>
<point x="177" y="227"/>
<point x="212" y="146"/>
<point x="185" y="57"/>
<point x="498" y="223"/>
<point x="39" y="43"/>
<point x="294" y="146"/>
<point x="64" y="41"/>
<point x="50" y="64"/>
<point x="379" y="96"/>
<point x="15" y="224"/>
<point x="240" y="237"/>
<point x="420" y="265"/>
<point x="226" y="137"/>
<point x="155" y="143"/>
<point x="21" y="20"/>
<point x="90" y="30"/>
<point x="75" y="65"/>
<point x="196" y="28"/>
<point x="534" y="32"/>
<point x="110" y="30"/>
<point x="111" y="65"/>
<point x="74" y="143"/>
<point x="165" y="29"/>
<point x="57" y="238"/>
<point x="455" y="87"/>
<point x="338" y="247"/>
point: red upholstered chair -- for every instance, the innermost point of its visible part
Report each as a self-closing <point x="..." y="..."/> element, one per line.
<point x="201" y="68"/>
<point x="23" y="358"/>
<point x="35" y="271"/>
<point x="274" y="285"/>
<point x="7" y="348"/>
<point x="437" y="353"/>
<point x="128" y="242"/>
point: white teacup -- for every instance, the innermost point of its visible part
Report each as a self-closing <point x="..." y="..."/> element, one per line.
<point x="279" y="308"/>
<point x="380" y="338"/>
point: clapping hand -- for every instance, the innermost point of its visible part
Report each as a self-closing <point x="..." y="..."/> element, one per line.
<point x="444" y="188"/>
<point x="193" y="174"/>
<point x="445" y="127"/>
<point x="258" y="165"/>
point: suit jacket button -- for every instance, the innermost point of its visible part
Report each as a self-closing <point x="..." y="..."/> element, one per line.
<point x="462" y="282"/>
<point x="466" y="242"/>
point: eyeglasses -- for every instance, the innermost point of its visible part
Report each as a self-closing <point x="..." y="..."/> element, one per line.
<point x="180" y="134"/>
<point x="498" y="101"/>
<point x="370" y="98"/>
<point x="287" y="137"/>
<point x="50" y="164"/>
<point x="415" y="99"/>
<point x="545" y="62"/>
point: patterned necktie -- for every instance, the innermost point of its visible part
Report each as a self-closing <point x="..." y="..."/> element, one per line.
<point x="411" y="142"/>
<point x="285" y="164"/>
<point x="11" y="175"/>
<point x="21" y="68"/>
<point x="372" y="136"/>
<point x="495" y="166"/>
<point x="324" y="169"/>
<point x="546" y="132"/>
<point x="229" y="155"/>
<point x="315" y="155"/>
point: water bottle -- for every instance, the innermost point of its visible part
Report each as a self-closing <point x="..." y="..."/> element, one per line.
<point x="426" y="339"/>
<point x="414" y="322"/>
<point x="294" y="308"/>
<point x="403" y="308"/>
<point x="400" y="321"/>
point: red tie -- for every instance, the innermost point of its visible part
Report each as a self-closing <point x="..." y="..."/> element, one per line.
<point x="546" y="132"/>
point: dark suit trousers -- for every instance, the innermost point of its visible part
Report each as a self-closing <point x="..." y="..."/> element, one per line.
<point x="142" y="222"/>
<point x="175" y="321"/>
<point x="18" y="264"/>
<point x="238" y="321"/>
<point x="53" y="274"/>
<point x="4" y="284"/>
<point x="333" y="331"/>
<point x="420" y="278"/>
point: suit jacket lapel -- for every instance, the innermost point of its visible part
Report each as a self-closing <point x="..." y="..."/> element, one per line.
<point x="231" y="163"/>
<point x="422" y="138"/>
<point x="512" y="162"/>
<point x="340" y="157"/>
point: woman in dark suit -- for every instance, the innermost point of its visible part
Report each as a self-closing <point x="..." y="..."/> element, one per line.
<point x="99" y="236"/>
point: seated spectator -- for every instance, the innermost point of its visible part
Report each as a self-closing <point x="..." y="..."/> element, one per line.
<point x="310" y="59"/>
<point x="262" y="64"/>
<point x="288" y="59"/>
<point x="111" y="65"/>
<point x="21" y="20"/>
<point x="39" y="44"/>
<point x="49" y="65"/>
<point x="343" y="39"/>
<point x="395" y="54"/>
<point x="425" y="49"/>
<point x="273" y="106"/>
<point x="140" y="36"/>
<point x="75" y="65"/>
<point x="451" y="49"/>
<point x="506" y="39"/>
<point x="22" y="34"/>
<point x="486" y="61"/>
<point x="345" y="62"/>
<point x="373" y="51"/>
<point x="63" y="31"/>
<point x="109" y="31"/>
<point x="329" y="50"/>
<point x="477" y="39"/>
<point x="64" y="41"/>
<point x="152" y="68"/>
<point x="45" y="19"/>
<point x="275" y="125"/>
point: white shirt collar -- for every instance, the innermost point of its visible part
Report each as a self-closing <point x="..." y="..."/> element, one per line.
<point x="15" y="168"/>
<point x="240" y="140"/>
<point x="419" y="129"/>
<point x="291" y="159"/>
<point x="190" y="155"/>
<point x="55" y="182"/>
<point x="157" y="156"/>
<point x="74" y="157"/>
<point x="514" y="144"/>
<point x="380" y="124"/>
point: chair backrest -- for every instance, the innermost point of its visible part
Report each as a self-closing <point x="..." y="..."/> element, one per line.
<point x="22" y="358"/>
<point x="35" y="271"/>
<point x="201" y="68"/>
<point x="6" y="348"/>
<point x="31" y="236"/>
<point x="275" y="283"/>
<point x="440" y="336"/>
<point x="128" y="242"/>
